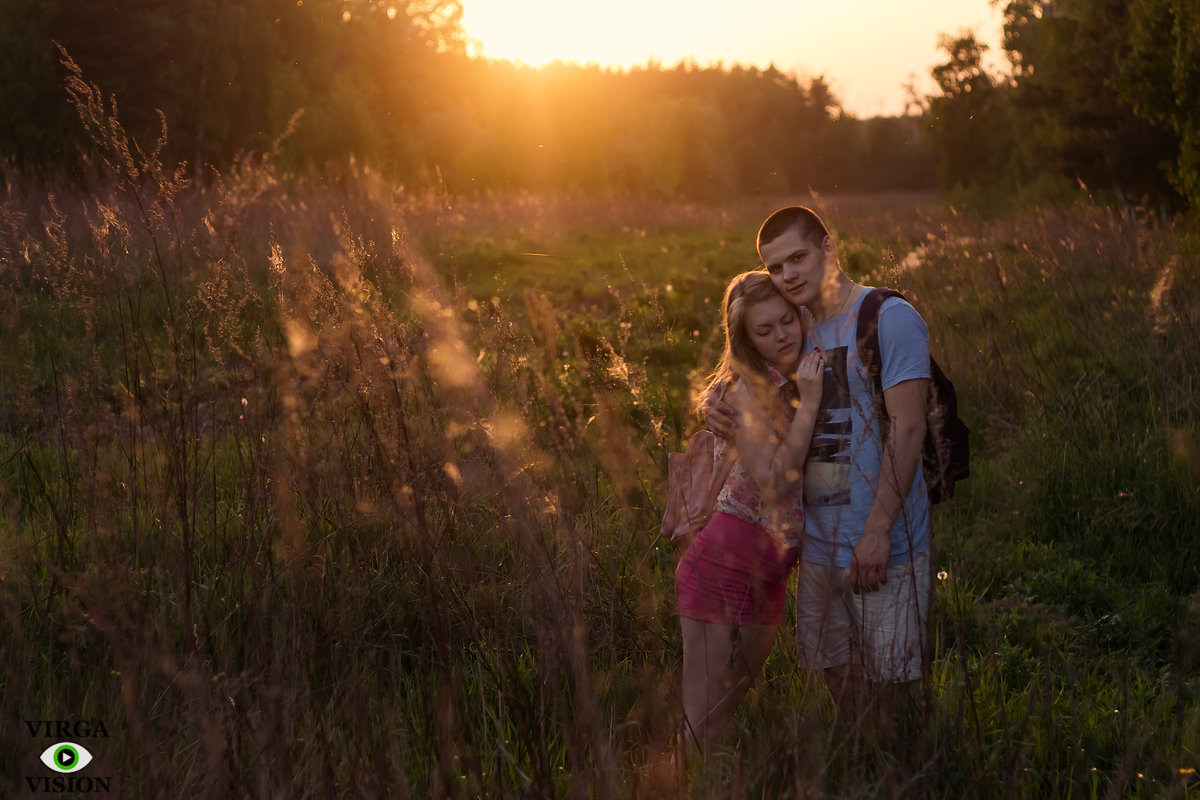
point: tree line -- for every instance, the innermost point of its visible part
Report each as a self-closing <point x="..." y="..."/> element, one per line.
<point x="1099" y="93"/>
<point x="1106" y="94"/>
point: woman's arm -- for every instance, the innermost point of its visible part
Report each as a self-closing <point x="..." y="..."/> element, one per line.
<point x="776" y="464"/>
<point x="754" y="437"/>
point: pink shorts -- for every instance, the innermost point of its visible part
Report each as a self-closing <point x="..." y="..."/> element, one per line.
<point x="733" y="573"/>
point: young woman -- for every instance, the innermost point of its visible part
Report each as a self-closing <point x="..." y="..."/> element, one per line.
<point x="731" y="582"/>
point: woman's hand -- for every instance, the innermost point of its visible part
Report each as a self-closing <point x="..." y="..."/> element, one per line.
<point x="810" y="378"/>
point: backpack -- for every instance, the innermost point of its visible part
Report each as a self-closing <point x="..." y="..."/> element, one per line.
<point x="695" y="478"/>
<point x="946" y="455"/>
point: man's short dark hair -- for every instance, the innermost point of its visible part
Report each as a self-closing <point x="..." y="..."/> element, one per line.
<point x="802" y="219"/>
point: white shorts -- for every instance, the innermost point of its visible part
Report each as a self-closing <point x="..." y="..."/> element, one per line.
<point x="885" y="631"/>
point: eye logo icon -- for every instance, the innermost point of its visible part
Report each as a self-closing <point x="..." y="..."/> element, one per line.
<point x="66" y="757"/>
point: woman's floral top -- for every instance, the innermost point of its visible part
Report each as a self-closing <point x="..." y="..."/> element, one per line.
<point x="740" y="496"/>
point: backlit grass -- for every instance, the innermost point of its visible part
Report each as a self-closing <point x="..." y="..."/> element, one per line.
<point x="315" y="490"/>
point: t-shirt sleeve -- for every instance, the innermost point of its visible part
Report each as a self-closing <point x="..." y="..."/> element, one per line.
<point x="903" y="342"/>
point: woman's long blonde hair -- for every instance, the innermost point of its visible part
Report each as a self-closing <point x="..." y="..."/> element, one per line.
<point x="740" y="360"/>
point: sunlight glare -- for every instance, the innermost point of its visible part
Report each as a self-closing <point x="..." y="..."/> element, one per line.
<point x="867" y="64"/>
<point x="538" y="32"/>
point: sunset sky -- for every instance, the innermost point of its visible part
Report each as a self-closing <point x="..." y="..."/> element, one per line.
<point x="866" y="49"/>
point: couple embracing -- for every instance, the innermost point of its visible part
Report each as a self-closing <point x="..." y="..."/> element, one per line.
<point x="827" y="483"/>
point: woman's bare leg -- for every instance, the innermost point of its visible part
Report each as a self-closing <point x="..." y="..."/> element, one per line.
<point x="720" y="662"/>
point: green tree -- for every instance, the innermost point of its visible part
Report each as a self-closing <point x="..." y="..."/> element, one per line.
<point x="227" y="75"/>
<point x="34" y="119"/>
<point x="179" y="59"/>
<point x="1072" y="119"/>
<point x="969" y="121"/>
<point x="1160" y="80"/>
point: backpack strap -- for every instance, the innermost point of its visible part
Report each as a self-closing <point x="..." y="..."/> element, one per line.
<point x="946" y="454"/>
<point x="867" y="339"/>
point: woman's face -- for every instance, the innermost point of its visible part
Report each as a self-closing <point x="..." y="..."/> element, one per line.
<point x="775" y="331"/>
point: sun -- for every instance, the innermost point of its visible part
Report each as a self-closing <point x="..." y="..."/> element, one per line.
<point x="617" y="33"/>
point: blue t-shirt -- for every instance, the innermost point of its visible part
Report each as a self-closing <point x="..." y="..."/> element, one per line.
<point x="842" y="470"/>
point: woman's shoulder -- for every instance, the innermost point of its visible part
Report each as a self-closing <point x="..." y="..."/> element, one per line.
<point x="740" y="393"/>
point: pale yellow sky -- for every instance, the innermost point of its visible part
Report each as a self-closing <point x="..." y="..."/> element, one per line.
<point x="866" y="49"/>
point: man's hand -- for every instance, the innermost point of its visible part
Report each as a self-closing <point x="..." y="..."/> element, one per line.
<point x="868" y="562"/>
<point x="720" y="416"/>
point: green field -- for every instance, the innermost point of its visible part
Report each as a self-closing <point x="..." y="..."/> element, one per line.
<point x="313" y="488"/>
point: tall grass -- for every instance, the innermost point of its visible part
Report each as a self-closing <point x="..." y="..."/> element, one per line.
<point x="311" y="488"/>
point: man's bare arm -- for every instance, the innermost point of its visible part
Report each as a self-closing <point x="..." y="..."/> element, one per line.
<point x="906" y="403"/>
<point x="720" y="416"/>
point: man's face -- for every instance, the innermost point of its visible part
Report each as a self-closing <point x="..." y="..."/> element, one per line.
<point x="797" y="266"/>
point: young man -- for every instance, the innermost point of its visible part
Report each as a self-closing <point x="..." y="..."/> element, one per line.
<point x="864" y="582"/>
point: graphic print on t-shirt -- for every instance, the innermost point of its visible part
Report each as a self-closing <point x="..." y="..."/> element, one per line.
<point x="827" y="470"/>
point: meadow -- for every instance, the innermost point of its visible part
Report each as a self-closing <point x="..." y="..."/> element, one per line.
<point x="316" y="486"/>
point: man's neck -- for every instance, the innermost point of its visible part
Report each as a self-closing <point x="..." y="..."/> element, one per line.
<point x="834" y="301"/>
